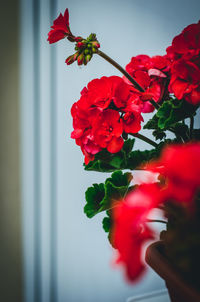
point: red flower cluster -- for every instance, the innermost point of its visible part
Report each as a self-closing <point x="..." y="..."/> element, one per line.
<point x="184" y="54"/>
<point x="179" y="165"/>
<point x="150" y="73"/>
<point x="106" y="109"/>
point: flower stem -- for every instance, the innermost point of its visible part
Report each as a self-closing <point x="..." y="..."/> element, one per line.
<point x="126" y="74"/>
<point x="191" y="125"/>
<point x="121" y="69"/>
<point x="144" y="138"/>
<point x="156" y="220"/>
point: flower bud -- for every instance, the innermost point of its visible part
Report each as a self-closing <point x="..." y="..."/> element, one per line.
<point x="94" y="50"/>
<point x="92" y="37"/>
<point x="86" y="51"/>
<point x="71" y="59"/>
<point x="80" y="44"/>
<point x="80" y="59"/>
<point x="87" y="59"/>
<point x="96" y="44"/>
<point x="78" y="39"/>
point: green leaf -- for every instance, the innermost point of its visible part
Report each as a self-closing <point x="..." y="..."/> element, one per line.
<point x="137" y="158"/>
<point x="152" y="123"/>
<point x="94" y="196"/>
<point x="159" y="134"/>
<point x="107" y="223"/>
<point x="100" y="197"/>
<point x="170" y="112"/>
<point x="108" y="162"/>
<point x="116" y="187"/>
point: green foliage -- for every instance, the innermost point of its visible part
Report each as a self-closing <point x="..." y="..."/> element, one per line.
<point x="107" y="225"/>
<point x="170" y="112"/>
<point x="125" y="159"/>
<point x="94" y="195"/>
<point x="108" y="162"/>
<point x="138" y="158"/>
<point x="100" y="197"/>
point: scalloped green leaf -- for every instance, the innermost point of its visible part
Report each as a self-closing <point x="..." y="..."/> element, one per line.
<point x="116" y="187"/>
<point x="100" y="197"/>
<point x="169" y="113"/>
<point x="94" y="195"/>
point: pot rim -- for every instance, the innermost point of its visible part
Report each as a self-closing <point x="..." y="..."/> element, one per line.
<point x="156" y="260"/>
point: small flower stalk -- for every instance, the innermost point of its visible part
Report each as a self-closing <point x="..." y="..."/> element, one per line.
<point x="85" y="48"/>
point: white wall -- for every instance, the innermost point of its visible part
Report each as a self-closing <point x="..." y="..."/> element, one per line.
<point x="67" y="256"/>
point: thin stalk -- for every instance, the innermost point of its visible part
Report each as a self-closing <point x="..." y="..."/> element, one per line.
<point x="156" y="220"/>
<point x="144" y="138"/>
<point x="191" y="125"/>
<point x="126" y="74"/>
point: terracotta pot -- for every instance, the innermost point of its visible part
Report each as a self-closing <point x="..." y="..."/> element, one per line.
<point x="179" y="291"/>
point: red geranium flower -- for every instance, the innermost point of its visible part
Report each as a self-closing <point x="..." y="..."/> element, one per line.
<point x="60" y="28"/>
<point x="130" y="230"/>
<point x="150" y="74"/>
<point x="108" y="129"/>
<point x="132" y="119"/>
<point x="107" y="107"/>
<point x="185" y="81"/>
<point x="187" y="43"/>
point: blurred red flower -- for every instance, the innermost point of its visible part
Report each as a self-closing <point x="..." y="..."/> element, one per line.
<point x="130" y="230"/>
<point x="180" y="166"/>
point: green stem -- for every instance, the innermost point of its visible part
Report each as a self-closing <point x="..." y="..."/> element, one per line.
<point x="126" y="74"/>
<point x="144" y="138"/>
<point x="191" y="125"/>
<point x="156" y="220"/>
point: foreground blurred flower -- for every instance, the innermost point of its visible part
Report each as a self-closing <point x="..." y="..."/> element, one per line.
<point x="180" y="166"/>
<point x="130" y="230"/>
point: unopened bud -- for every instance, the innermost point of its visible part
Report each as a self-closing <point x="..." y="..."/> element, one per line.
<point x="96" y="44"/>
<point x="94" y="50"/>
<point x="86" y="51"/>
<point x="87" y="59"/>
<point x="80" y="44"/>
<point x="92" y="37"/>
<point x="78" y="39"/>
<point x="80" y="59"/>
<point x="71" y="59"/>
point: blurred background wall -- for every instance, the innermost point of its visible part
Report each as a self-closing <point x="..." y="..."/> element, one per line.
<point x="10" y="204"/>
<point x="44" y="235"/>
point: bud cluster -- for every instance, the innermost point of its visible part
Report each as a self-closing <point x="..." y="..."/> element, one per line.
<point x="85" y="48"/>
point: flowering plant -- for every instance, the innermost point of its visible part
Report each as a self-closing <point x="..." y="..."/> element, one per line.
<point x="107" y="120"/>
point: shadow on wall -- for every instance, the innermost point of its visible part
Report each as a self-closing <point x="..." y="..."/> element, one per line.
<point x="10" y="206"/>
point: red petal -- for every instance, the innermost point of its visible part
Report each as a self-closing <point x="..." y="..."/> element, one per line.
<point x="115" y="144"/>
